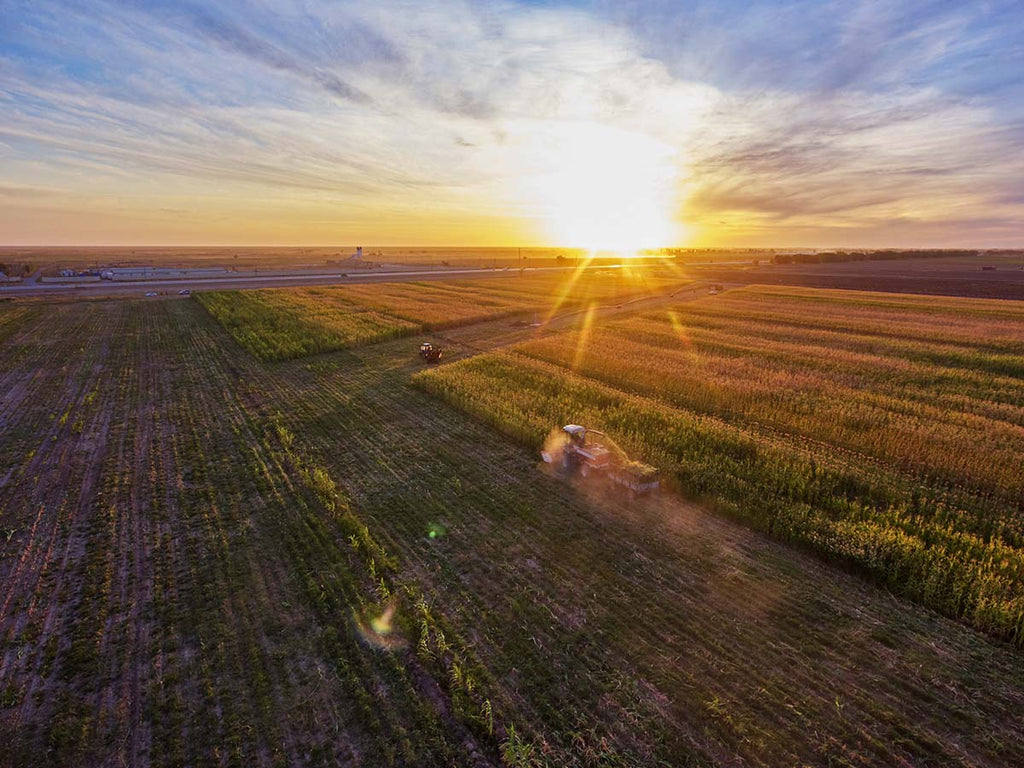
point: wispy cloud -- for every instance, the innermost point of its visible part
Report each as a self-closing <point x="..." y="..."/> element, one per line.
<point x="836" y="122"/>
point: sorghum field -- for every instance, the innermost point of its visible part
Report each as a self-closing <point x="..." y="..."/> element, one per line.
<point x="886" y="432"/>
<point x="288" y="323"/>
<point x="210" y="560"/>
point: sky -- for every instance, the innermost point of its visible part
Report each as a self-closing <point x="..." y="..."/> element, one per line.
<point x="605" y="124"/>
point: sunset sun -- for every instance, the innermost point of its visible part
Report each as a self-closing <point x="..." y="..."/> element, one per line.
<point x="603" y="188"/>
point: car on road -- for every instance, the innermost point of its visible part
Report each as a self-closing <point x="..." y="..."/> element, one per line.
<point x="184" y="292"/>
<point x="152" y="293"/>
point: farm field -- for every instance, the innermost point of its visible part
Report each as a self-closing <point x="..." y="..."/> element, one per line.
<point x="963" y="276"/>
<point x="283" y="324"/>
<point x="278" y="325"/>
<point x="207" y="560"/>
<point x="447" y="305"/>
<point x="11" y="317"/>
<point x="884" y="431"/>
<point x="176" y="575"/>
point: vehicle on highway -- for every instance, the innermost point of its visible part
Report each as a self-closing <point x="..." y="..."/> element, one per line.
<point x="152" y="293"/>
<point x="185" y="292"/>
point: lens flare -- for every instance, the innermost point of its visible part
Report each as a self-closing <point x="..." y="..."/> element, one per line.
<point x="680" y="329"/>
<point x="379" y="630"/>
<point x="583" y="337"/>
<point x="567" y="289"/>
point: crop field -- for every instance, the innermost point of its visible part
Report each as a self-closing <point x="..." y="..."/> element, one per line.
<point x="176" y="575"/>
<point x="11" y="317"/>
<point x="887" y="432"/>
<point x="986" y="275"/>
<point x="448" y="305"/>
<point x="282" y="324"/>
<point x="208" y="560"/>
<point x="278" y="325"/>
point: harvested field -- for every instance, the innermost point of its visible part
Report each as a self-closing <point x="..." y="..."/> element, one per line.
<point x="200" y="552"/>
<point x="11" y="317"/>
<point x="179" y="584"/>
<point x="939" y="276"/>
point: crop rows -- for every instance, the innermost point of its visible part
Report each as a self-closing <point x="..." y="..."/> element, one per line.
<point x="177" y="574"/>
<point x="277" y="325"/>
<point x="936" y="393"/>
<point x="649" y="633"/>
<point x="280" y="324"/>
<point x="446" y="305"/>
<point x="11" y="318"/>
<point x="765" y="426"/>
<point x="215" y="562"/>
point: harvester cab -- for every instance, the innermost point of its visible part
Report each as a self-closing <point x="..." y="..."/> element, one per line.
<point x="576" y="448"/>
<point x="575" y="433"/>
<point x="429" y="352"/>
<point x="588" y="455"/>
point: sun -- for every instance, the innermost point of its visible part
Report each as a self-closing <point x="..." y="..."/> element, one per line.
<point x="600" y="187"/>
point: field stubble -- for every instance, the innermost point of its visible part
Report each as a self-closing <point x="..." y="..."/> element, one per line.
<point x="201" y="588"/>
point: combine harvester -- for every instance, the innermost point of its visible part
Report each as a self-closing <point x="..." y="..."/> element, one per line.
<point x="574" y="449"/>
<point x="430" y="353"/>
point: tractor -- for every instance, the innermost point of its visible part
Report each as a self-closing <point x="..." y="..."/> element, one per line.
<point x="430" y="353"/>
<point x="591" y="452"/>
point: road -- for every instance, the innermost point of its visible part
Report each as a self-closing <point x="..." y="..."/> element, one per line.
<point x="32" y="286"/>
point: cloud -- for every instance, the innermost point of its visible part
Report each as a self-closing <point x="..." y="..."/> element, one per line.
<point x="784" y="118"/>
<point x="905" y="156"/>
<point x="236" y="39"/>
<point x="22" y="193"/>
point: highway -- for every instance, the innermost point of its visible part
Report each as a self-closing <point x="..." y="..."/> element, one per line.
<point x="32" y="287"/>
<point x="173" y="285"/>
